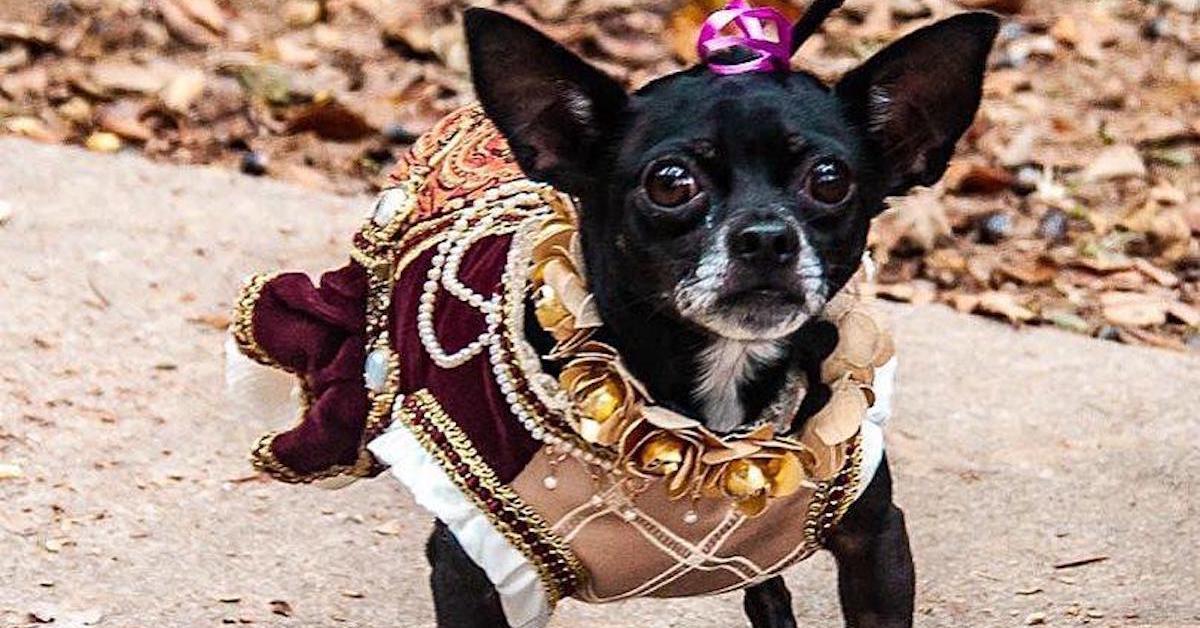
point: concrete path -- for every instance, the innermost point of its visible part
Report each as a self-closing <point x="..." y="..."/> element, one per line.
<point x="1014" y="450"/>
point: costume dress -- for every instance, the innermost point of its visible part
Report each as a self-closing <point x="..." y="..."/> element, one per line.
<point x="559" y="477"/>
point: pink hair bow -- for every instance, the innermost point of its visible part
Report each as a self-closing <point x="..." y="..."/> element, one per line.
<point x="773" y="50"/>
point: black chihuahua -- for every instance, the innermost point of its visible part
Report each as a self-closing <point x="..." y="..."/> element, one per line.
<point x="719" y="215"/>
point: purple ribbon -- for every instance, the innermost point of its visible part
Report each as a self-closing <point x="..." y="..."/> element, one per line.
<point x="773" y="51"/>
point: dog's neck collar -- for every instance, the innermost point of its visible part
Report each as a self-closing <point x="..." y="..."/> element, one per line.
<point x="612" y="411"/>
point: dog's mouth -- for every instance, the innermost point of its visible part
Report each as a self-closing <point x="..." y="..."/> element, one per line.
<point x="756" y="312"/>
<point x="761" y="297"/>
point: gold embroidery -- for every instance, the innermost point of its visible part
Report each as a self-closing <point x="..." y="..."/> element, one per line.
<point x="243" y="320"/>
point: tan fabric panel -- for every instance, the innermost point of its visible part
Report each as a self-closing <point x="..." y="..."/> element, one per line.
<point x="634" y="541"/>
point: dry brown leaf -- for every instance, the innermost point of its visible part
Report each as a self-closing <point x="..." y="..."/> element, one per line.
<point x="103" y="142"/>
<point x="1004" y="304"/>
<point x="1120" y="161"/>
<point x="216" y="320"/>
<point x="281" y="607"/>
<point x="1186" y="314"/>
<point x="918" y="219"/>
<point x="391" y="527"/>
<point x="301" y="13"/>
<point x="124" y="118"/>
<point x="32" y="128"/>
<point x="1128" y="309"/>
<point x="1157" y="274"/>
<point x="1001" y="6"/>
<point x="1031" y="272"/>
<point x="182" y="90"/>
<point x="205" y="12"/>
<point x="331" y="120"/>
<point x="119" y="76"/>
<point x="183" y="26"/>
<point x="10" y="471"/>
<point x="977" y="178"/>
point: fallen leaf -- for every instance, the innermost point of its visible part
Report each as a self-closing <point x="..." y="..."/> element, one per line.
<point x="215" y="320"/>
<point x="1159" y="275"/>
<point x="1001" y="6"/>
<point x="103" y="142"/>
<point x="29" y="33"/>
<point x="1004" y="304"/>
<point x="391" y="527"/>
<point x="1033" y="272"/>
<point x="32" y="128"/>
<point x="9" y="471"/>
<point x="124" y="119"/>
<point x="1131" y="309"/>
<point x="1186" y="314"/>
<point x="301" y="13"/>
<point x="281" y="607"/>
<point x="182" y="90"/>
<point x="119" y="76"/>
<point x="976" y="178"/>
<point x="183" y="26"/>
<point x="918" y="219"/>
<point x="206" y="12"/>
<point x="331" y="120"/>
<point x="1120" y="161"/>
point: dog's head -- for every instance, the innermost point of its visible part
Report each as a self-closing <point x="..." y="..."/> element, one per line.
<point x="738" y="205"/>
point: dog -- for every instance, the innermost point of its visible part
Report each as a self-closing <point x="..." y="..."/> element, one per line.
<point x="718" y="216"/>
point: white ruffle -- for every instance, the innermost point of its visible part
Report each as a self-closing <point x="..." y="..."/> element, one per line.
<point x="877" y="417"/>
<point x="257" y="393"/>
<point x="522" y="596"/>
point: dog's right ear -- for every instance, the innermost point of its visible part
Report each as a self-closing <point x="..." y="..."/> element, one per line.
<point x="552" y="107"/>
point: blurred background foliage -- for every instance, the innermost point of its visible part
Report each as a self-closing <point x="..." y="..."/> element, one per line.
<point x="1075" y="200"/>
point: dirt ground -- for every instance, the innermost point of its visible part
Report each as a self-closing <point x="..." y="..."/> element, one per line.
<point x="126" y="499"/>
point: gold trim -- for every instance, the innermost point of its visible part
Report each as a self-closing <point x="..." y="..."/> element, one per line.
<point x="265" y="461"/>
<point x="825" y="511"/>
<point x="242" y="325"/>
<point x="511" y="504"/>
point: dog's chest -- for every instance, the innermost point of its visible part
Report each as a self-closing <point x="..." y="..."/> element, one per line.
<point x="723" y="368"/>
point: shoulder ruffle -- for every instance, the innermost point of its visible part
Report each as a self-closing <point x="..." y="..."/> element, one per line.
<point x="317" y="333"/>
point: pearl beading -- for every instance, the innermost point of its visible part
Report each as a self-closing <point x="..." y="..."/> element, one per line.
<point x="475" y="222"/>
<point x="544" y="387"/>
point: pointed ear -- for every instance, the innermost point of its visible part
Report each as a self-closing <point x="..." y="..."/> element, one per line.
<point x="919" y="95"/>
<point x="553" y="107"/>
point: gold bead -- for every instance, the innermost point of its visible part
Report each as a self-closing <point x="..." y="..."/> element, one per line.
<point x="661" y="455"/>
<point x="745" y="478"/>
<point x="602" y="400"/>
<point x="787" y="475"/>
<point x="548" y="308"/>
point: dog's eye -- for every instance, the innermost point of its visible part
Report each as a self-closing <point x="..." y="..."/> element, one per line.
<point x="829" y="181"/>
<point x="670" y="183"/>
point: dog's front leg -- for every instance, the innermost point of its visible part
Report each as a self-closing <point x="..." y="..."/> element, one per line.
<point x="875" y="569"/>
<point x="769" y="605"/>
<point x="463" y="597"/>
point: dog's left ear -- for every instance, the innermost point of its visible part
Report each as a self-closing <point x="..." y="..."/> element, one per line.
<point x="552" y="107"/>
<point x="919" y="95"/>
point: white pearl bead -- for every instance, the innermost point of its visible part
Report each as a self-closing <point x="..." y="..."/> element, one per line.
<point x="550" y="482"/>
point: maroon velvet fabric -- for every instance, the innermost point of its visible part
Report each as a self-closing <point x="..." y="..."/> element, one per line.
<point x="469" y="393"/>
<point x="318" y="333"/>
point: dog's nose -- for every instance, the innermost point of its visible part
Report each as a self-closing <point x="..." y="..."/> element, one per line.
<point x="772" y="242"/>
